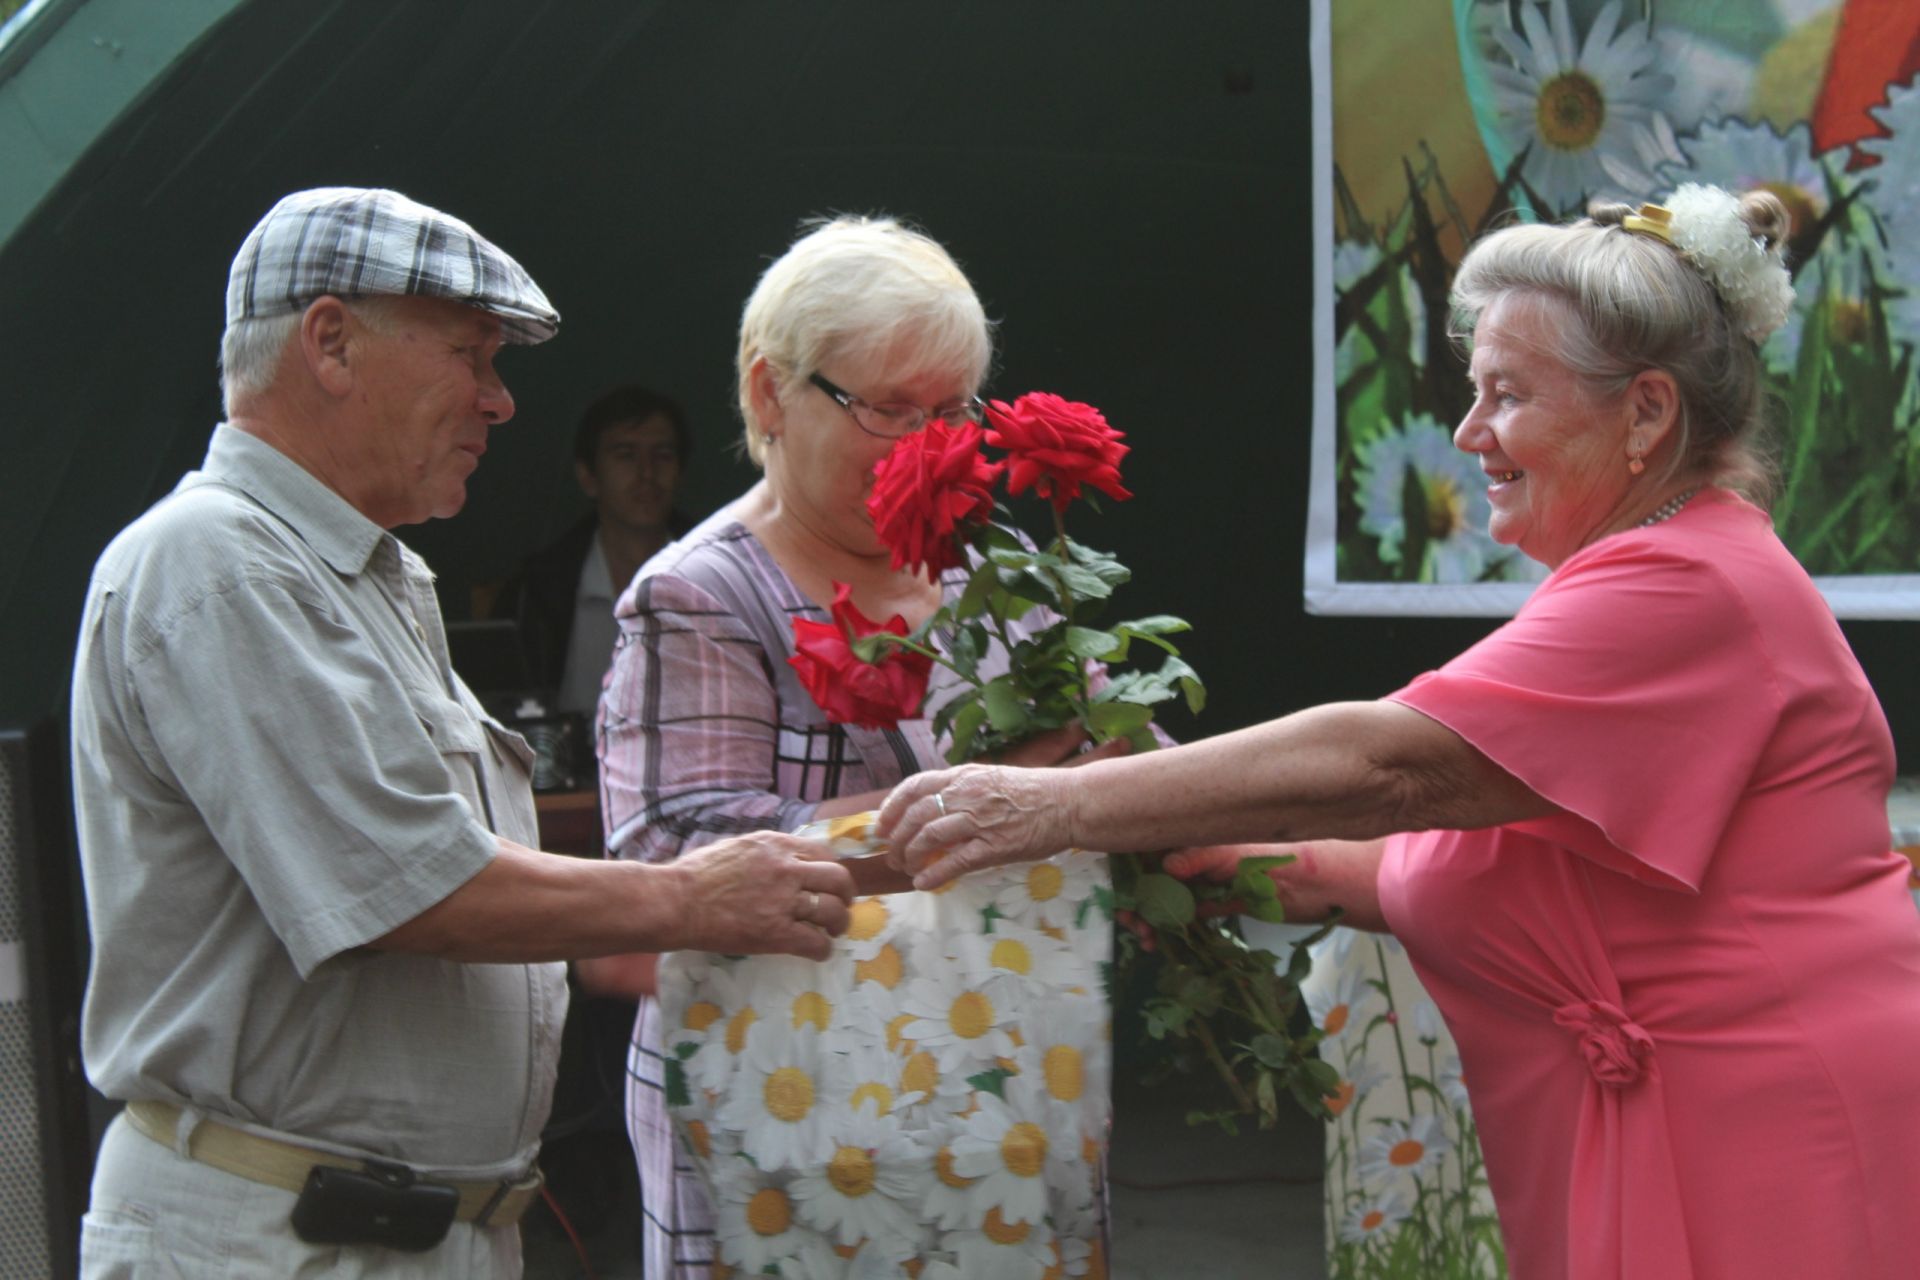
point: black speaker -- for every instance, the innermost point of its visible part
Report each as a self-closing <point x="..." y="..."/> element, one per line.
<point x="46" y="1145"/>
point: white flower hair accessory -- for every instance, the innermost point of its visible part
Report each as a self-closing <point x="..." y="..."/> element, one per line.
<point x="1705" y="225"/>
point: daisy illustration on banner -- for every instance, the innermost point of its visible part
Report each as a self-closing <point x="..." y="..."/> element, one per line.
<point x="1426" y="502"/>
<point x="1377" y="1216"/>
<point x="1402" y="1147"/>
<point x="1583" y="113"/>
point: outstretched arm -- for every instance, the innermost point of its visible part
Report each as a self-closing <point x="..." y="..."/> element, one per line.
<point x="1352" y="770"/>
<point x="759" y="893"/>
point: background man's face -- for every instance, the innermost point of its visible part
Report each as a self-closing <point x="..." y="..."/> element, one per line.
<point x="635" y="475"/>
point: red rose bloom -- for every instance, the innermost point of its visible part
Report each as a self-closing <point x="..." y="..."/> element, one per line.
<point x="1054" y="446"/>
<point x="928" y="493"/>
<point x="850" y="689"/>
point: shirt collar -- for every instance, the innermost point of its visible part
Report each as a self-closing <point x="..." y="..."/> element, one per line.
<point x="327" y="522"/>
<point x="596" y="579"/>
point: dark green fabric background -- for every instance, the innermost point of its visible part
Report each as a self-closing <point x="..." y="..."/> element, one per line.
<point x="1127" y="182"/>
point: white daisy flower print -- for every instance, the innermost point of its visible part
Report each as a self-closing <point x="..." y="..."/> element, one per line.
<point x="1397" y="1147"/>
<point x="1342" y="1005"/>
<point x="1007" y="1147"/>
<point x="755" y="1215"/>
<point x="873" y="1077"/>
<point x="1025" y="956"/>
<point x="1376" y="1215"/>
<point x="1049" y="892"/>
<point x="1893" y="192"/>
<point x="962" y="1019"/>
<point x="783" y="1096"/>
<point x="814" y="1260"/>
<point x="1068" y="1056"/>
<point x="801" y="993"/>
<point x="1002" y="1250"/>
<point x="1584" y="111"/>
<point x="871" y="924"/>
<point x="716" y="1020"/>
<point x="868" y="1187"/>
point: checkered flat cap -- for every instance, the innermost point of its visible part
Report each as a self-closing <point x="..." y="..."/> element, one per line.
<point x="353" y="242"/>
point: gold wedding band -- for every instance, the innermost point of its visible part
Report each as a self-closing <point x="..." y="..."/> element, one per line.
<point x="813" y="901"/>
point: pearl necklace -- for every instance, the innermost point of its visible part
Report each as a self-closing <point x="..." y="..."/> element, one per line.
<point x="1670" y="508"/>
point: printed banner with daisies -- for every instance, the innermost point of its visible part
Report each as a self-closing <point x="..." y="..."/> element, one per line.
<point x="1434" y="122"/>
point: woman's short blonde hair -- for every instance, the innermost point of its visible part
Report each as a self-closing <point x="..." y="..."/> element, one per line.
<point x="853" y="288"/>
<point x="1629" y="302"/>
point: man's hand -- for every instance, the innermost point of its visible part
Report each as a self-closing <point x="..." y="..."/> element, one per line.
<point x="761" y="893"/>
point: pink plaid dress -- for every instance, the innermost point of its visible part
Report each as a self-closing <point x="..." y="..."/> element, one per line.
<point x="704" y="733"/>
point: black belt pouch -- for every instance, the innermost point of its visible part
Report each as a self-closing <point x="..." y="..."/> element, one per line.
<point x="381" y="1204"/>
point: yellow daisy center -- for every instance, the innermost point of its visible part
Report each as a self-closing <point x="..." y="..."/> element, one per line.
<point x="1065" y="1072"/>
<point x="885" y="968"/>
<point x="1406" y="1151"/>
<point x="1055" y="932"/>
<point x="1570" y="111"/>
<point x="1336" y="1020"/>
<point x="920" y="1075"/>
<point x="1372" y="1219"/>
<point x="1057" y="1270"/>
<point x="1024" y="1149"/>
<point x="1340" y="1101"/>
<point x="1011" y="955"/>
<point x="1000" y="1231"/>
<point x="788" y="1094"/>
<point x="1044" y="881"/>
<point x="850" y="1171"/>
<point x="700" y="1015"/>
<point x="737" y="1029"/>
<point x="897" y="1041"/>
<point x="811" y="1006"/>
<point x="970" y="1016"/>
<point x="1089" y="1151"/>
<point x="865" y="919"/>
<point x="769" y="1212"/>
<point x="697" y="1135"/>
<point x="881" y="1095"/>
<point x="943" y="1169"/>
<point x="1446" y="508"/>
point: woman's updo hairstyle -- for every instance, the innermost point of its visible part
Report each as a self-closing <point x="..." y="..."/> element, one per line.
<point x="853" y="288"/>
<point x="1627" y="301"/>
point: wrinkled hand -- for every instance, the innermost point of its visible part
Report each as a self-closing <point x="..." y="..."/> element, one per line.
<point x="945" y="824"/>
<point x="762" y="893"/>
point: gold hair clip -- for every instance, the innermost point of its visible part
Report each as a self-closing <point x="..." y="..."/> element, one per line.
<point x="1652" y="220"/>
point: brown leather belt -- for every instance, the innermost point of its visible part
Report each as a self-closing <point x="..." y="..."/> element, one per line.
<point x="284" y="1165"/>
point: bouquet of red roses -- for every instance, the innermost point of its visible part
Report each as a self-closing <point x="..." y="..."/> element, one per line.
<point x="933" y="504"/>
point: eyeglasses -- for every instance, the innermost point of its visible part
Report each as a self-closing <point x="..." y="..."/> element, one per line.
<point x="895" y="418"/>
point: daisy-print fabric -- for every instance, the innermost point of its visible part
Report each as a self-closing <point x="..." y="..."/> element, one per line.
<point x="933" y="1095"/>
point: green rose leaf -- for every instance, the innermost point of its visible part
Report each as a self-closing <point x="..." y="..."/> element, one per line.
<point x="1117" y="719"/>
<point x="1166" y="903"/>
<point x="1272" y="1050"/>
<point x="1101" y="646"/>
<point x="1005" y="710"/>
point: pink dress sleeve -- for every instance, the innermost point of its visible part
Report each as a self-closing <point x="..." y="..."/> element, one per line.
<point x="1633" y="691"/>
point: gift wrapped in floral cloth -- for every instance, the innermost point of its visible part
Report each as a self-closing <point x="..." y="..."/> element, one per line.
<point x="933" y="1095"/>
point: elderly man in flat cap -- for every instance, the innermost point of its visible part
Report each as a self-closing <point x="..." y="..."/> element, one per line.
<point x="323" y="936"/>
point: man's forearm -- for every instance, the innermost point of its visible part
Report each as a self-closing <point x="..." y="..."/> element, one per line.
<point x="527" y="906"/>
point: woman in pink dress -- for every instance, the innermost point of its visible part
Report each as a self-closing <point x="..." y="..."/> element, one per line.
<point x="1635" y="841"/>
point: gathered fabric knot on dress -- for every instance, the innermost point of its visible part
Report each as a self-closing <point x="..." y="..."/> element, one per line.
<point x="1617" y="1048"/>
